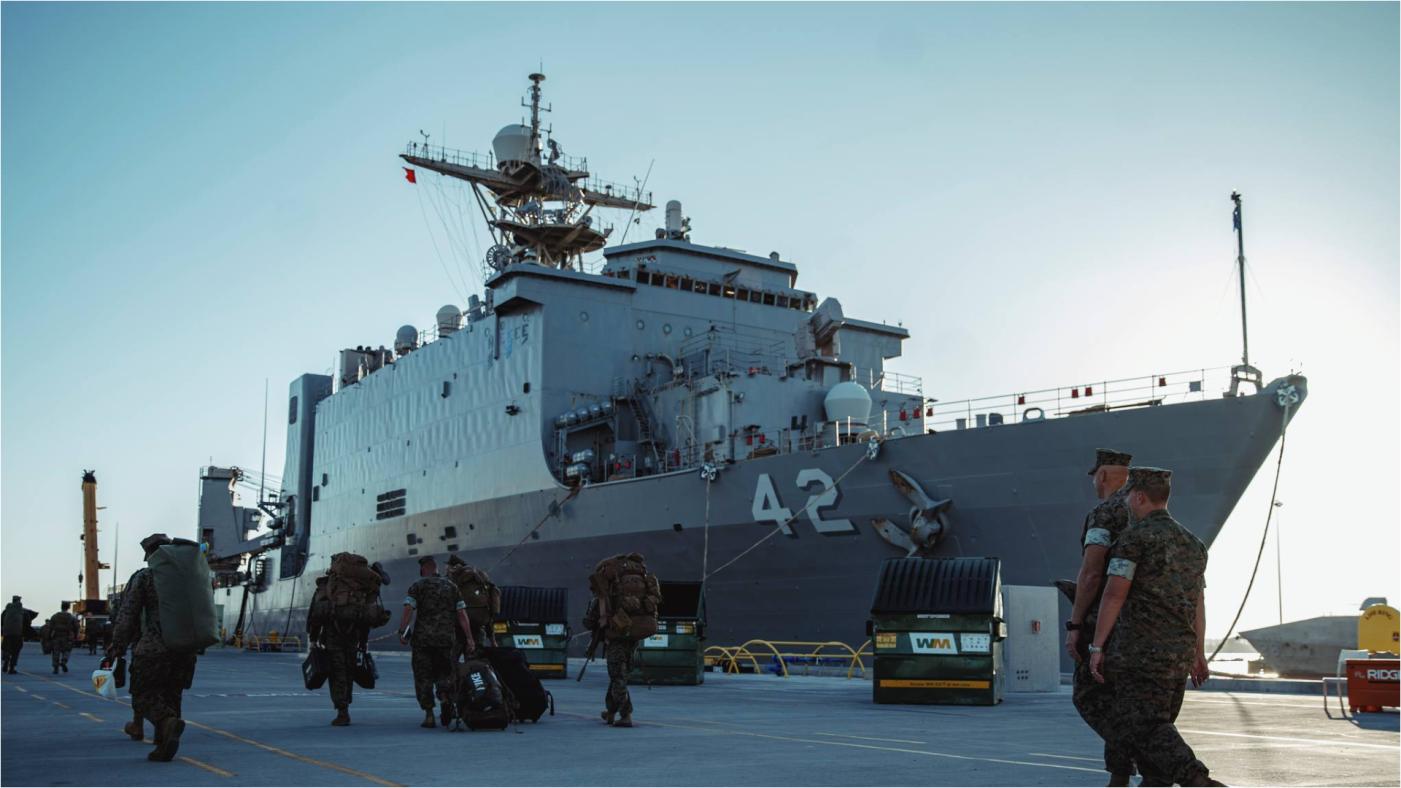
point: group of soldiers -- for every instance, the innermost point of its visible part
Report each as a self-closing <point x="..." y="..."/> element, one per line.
<point x="435" y="625"/>
<point x="58" y="635"/>
<point x="1137" y="625"/>
<point x="158" y="675"/>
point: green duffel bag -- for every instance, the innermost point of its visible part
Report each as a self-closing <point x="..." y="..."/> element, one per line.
<point x="186" y="594"/>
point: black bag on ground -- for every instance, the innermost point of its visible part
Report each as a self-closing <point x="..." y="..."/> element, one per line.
<point x="119" y="673"/>
<point x="316" y="668"/>
<point x="480" y="699"/>
<point x="511" y="666"/>
<point x="365" y="670"/>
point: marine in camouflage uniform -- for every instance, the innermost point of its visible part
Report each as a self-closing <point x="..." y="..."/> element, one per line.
<point x="618" y="652"/>
<point x="12" y="630"/>
<point x="341" y="647"/>
<point x="158" y="676"/>
<point x="63" y="627"/>
<point x="1103" y="527"/>
<point x="1155" y="641"/>
<point x="440" y="614"/>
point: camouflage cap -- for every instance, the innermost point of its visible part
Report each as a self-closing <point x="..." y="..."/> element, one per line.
<point x="427" y="559"/>
<point x="1110" y="457"/>
<point x="456" y="560"/>
<point x="1142" y="475"/>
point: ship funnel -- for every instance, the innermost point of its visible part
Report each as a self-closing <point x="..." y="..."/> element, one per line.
<point x="405" y="339"/>
<point x="449" y="319"/>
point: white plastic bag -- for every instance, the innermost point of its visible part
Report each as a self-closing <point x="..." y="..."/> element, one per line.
<point x="104" y="684"/>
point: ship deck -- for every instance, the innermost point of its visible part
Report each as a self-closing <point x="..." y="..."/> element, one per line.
<point x="252" y="723"/>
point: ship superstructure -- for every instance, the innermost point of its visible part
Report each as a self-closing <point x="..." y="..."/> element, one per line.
<point x="691" y="402"/>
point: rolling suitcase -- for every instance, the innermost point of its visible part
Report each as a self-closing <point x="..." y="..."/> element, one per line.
<point x="480" y="700"/>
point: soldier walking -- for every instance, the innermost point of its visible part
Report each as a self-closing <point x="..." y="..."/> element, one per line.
<point x="626" y="599"/>
<point x="158" y="675"/>
<point x="12" y="631"/>
<point x="1149" y="636"/>
<point x="343" y="635"/>
<point x="439" y="611"/>
<point x="1103" y="527"/>
<point x="63" y="627"/>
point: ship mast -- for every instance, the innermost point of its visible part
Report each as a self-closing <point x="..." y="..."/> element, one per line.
<point x="1242" y="373"/>
<point x="542" y="212"/>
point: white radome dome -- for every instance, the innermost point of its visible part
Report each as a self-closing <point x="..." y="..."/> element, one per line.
<point x="512" y="143"/>
<point x="848" y="400"/>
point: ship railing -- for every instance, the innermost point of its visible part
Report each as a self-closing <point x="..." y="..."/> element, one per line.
<point x="1067" y="401"/>
<point x="891" y="382"/>
<point x="632" y="194"/>
<point x="461" y="158"/>
<point x="781" y="654"/>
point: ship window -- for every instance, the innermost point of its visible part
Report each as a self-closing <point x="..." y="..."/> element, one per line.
<point x="742" y="294"/>
<point x="391" y="504"/>
<point x="641" y="325"/>
<point x="729" y="292"/>
<point x="292" y="411"/>
<point x="447" y="389"/>
<point x="525" y="389"/>
<point x="755" y="296"/>
<point x="450" y="532"/>
<point x="768" y="298"/>
<point x="316" y="493"/>
<point x="325" y="480"/>
<point x="666" y="329"/>
<point x="714" y="289"/>
<point x="783" y="301"/>
<point x="687" y="284"/>
<point x="412" y="539"/>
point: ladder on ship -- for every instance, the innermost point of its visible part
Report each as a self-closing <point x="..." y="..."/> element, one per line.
<point x="642" y="412"/>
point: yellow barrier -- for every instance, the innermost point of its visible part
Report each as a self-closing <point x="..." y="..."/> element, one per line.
<point x="729" y="657"/>
<point x="272" y="643"/>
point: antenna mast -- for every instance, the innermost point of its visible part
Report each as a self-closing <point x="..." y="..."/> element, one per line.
<point x="1244" y="373"/>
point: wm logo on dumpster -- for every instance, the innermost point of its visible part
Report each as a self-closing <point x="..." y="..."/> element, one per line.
<point x="933" y="643"/>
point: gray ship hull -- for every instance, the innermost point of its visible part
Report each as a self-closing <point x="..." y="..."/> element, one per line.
<point x="1305" y="649"/>
<point x="1019" y="493"/>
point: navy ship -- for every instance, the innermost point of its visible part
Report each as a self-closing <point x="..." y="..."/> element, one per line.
<point x="693" y="403"/>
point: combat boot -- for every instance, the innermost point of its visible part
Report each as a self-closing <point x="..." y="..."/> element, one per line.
<point x="1117" y="779"/>
<point x="65" y="666"/>
<point x="624" y="721"/>
<point x="428" y="721"/>
<point x="607" y="717"/>
<point x="447" y="714"/>
<point x="342" y="717"/>
<point x="134" y="730"/>
<point x="168" y="731"/>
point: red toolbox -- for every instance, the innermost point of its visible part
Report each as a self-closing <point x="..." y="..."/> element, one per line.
<point x="1373" y="683"/>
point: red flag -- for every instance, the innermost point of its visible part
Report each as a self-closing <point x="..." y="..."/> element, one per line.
<point x="409" y="175"/>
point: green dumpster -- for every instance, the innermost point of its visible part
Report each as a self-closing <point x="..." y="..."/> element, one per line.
<point x="936" y="629"/>
<point x="675" y="655"/>
<point x="536" y="621"/>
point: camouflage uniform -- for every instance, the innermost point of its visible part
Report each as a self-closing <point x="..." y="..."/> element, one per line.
<point x="62" y="629"/>
<point x="1153" y="644"/>
<point x="158" y="676"/>
<point x="12" y="629"/>
<point x="341" y="648"/>
<point x="1103" y="527"/>
<point x="619" y="653"/>
<point x="436" y="601"/>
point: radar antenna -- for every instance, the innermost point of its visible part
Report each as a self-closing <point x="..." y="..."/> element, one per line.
<point x="1243" y="373"/>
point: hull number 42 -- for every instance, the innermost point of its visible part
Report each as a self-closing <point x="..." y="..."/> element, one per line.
<point x="768" y="508"/>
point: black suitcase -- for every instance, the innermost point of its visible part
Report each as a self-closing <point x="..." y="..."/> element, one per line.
<point x="532" y="699"/>
<point x="480" y="699"/>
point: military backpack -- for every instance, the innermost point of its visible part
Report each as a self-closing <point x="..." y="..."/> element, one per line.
<point x="347" y="596"/>
<point x="482" y="597"/>
<point x="185" y="593"/>
<point x="633" y="595"/>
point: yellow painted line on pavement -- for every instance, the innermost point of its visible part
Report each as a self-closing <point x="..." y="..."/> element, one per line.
<point x="205" y="766"/>
<point x="1291" y="739"/>
<point x="715" y="728"/>
<point x="92" y="717"/>
<point x="294" y="756"/>
<point x="336" y="767"/>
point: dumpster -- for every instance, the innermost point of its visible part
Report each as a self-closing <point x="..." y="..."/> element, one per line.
<point x="675" y="654"/>
<point x="535" y="620"/>
<point x="936" y="629"/>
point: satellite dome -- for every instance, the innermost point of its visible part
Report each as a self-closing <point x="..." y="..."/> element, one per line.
<point x="512" y="143"/>
<point x="848" y="400"/>
<point x="405" y="339"/>
<point x="449" y="318"/>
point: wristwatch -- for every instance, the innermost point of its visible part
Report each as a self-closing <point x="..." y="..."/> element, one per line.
<point x="1093" y="649"/>
<point x="1071" y="626"/>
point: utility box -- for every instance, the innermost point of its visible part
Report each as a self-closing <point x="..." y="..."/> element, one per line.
<point x="1031" y="654"/>
<point x="937" y="630"/>
<point x="675" y="655"/>
<point x="1373" y="684"/>
<point x="536" y="621"/>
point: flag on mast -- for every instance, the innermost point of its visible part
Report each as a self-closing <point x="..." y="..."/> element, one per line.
<point x="410" y="176"/>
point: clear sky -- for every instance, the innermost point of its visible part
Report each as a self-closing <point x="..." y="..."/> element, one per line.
<point x="199" y="197"/>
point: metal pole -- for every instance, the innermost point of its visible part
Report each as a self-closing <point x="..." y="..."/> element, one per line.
<point x="262" y="474"/>
<point x="1279" y="577"/>
<point x="116" y="557"/>
<point x="1240" y="263"/>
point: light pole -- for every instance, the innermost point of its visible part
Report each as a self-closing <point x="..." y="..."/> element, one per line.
<point x="1279" y="578"/>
